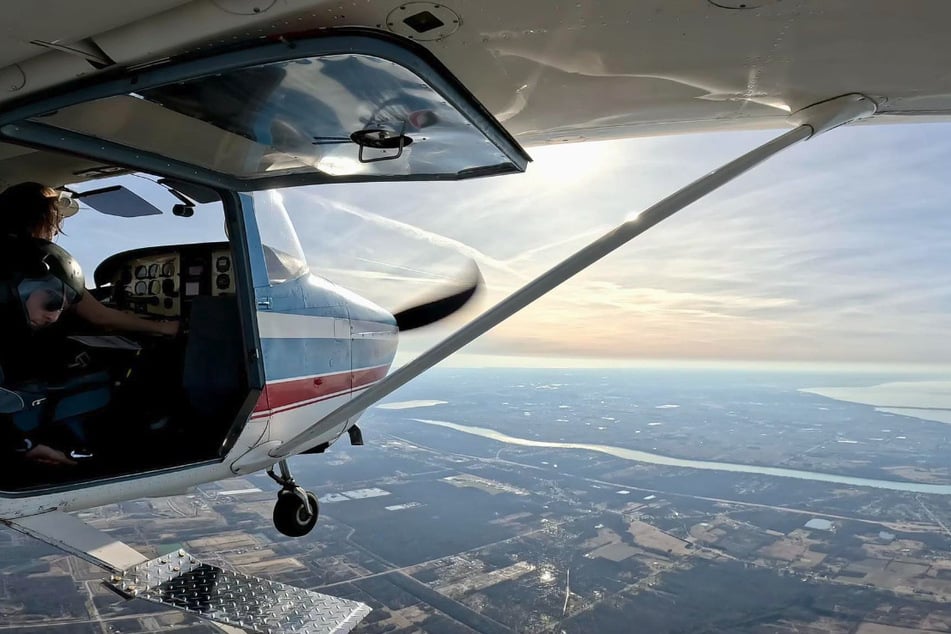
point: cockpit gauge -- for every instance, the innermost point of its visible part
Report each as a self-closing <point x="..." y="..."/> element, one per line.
<point x="168" y="269"/>
<point x="141" y="272"/>
<point x="223" y="281"/>
<point x="168" y="286"/>
<point x="141" y="288"/>
<point x="155" y="287"/>
<point x="153" y="269"/>
<point x="223" y="264"/>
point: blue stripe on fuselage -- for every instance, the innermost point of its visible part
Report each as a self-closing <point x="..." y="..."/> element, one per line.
<point x="290" y="358"/>
<point x="315" y="296"/>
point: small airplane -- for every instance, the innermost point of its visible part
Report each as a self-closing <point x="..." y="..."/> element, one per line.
<point x="221" y="101"/>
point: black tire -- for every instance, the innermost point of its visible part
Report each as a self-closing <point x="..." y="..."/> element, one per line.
<point x="290" y="516"/>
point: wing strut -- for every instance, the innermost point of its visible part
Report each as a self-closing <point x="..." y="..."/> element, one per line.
<point x="809" y="122"/>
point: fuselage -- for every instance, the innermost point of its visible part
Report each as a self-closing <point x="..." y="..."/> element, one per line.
<point x="321" y="345"/>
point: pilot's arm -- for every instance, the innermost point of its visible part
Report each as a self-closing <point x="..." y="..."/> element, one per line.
<point x="91" y="309"/>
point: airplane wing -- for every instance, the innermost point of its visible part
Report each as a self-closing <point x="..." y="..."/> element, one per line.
<point x="233" y="601"/>
<point x="551" y="72"/>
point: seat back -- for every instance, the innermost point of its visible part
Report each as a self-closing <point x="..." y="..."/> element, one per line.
<point x="10" y="401"/>
<point x="78" y="396"/>
<point x="214" y="374"/>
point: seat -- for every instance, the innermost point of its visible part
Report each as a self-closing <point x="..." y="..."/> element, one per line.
<point x="214" y="377"/>
<point x="45" y="405"/>
<point x="10" y="401"/>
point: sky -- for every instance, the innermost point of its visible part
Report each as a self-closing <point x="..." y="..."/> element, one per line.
<point x="837" y="250"/>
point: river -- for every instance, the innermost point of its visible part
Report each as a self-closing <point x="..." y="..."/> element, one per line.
<point x="643" y="456"/>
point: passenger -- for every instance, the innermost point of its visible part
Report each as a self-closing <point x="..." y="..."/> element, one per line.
<point x="33" y="210"/>
<point x="43" y="305"/>
<point x="38" y="281"/>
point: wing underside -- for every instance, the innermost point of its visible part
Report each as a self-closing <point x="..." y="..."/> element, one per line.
<point x="550" y="71"/>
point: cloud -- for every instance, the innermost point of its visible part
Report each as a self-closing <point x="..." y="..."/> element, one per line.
<point x="417" y="234"/>
<point x="838" y="249"/>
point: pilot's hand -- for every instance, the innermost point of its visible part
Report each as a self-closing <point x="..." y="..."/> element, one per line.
<point x="168" y="328"/>
<point x="48" y="455"/>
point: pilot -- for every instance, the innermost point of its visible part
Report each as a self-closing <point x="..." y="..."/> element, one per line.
<point x="34" y="210"/>
<point x="38" y="281"/>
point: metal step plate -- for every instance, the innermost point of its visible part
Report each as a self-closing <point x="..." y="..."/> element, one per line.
<point x="251" y="603"/>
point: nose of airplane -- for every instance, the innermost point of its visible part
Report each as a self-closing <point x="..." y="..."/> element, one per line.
<point x="374" y="331"/>
<point x="366" y="312"/>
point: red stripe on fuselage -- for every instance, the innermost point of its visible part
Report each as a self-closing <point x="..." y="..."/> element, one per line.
<point x="286" y="395"/>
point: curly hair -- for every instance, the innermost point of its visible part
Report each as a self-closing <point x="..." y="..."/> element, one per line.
<point x="29" y="209"/>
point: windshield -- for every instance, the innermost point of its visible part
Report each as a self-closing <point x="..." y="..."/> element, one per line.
<point x="133" y="211"/>
<point x="283" y="254"/>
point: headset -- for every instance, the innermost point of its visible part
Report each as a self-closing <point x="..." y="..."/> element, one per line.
<point x="66" y="205"/>
<point x="36" y="259"/>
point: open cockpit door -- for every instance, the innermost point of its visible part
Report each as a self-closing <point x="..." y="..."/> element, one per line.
<point x="340" y="107"/>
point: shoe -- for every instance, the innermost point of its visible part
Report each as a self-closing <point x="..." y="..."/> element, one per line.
<point x="81" y="454"/>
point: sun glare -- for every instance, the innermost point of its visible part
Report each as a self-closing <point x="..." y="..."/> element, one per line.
<point x="572" y="163"/>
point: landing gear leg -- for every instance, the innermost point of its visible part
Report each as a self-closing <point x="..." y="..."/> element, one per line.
<point x="295" y="513"/>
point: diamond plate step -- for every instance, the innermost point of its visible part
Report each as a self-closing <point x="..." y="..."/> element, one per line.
<point x="251" y="603"/>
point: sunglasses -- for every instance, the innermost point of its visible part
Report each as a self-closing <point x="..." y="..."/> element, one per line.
<point x="55" y="301"/>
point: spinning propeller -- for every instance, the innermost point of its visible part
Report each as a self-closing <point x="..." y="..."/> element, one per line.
<point x="429" y="311"/>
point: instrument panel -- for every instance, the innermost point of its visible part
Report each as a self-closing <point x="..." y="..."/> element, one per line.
<point x="151" y="285"/>
<point x="161" y="281"/>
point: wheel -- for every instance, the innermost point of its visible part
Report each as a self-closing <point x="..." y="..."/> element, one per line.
<point x="290" y="516"/>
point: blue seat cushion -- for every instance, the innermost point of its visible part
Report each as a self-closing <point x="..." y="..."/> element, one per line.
<point x="77" y="396"/>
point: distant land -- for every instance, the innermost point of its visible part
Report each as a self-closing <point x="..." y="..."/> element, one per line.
<point x="443" y="524"/>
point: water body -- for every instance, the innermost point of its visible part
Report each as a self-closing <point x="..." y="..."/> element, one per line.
<point x="410" y="404"/>
<point x="652" y="458"/>
<point x="928" y="400"/>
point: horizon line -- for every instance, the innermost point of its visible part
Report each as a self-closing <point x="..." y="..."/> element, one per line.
<point x="485" y="361"/>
